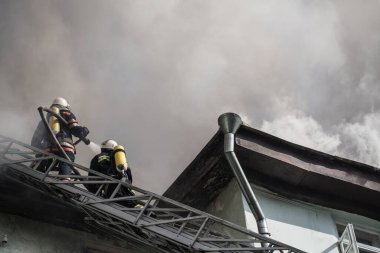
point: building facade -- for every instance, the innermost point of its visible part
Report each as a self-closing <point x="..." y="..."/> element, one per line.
<point x="311" y="200"/>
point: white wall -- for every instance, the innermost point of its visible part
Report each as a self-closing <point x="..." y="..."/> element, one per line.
<point x="304" y="226"/>
<point x="301" y="226"/>
<point x="229" y="206"/>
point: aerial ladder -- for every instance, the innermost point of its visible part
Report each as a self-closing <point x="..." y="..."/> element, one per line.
<point x="162" y="223"/>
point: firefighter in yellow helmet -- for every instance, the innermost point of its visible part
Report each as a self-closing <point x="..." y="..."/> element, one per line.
<point x="64" y="134"/>
<point x="112" y="161"/>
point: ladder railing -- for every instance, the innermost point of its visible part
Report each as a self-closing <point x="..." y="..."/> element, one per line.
<point x="162" y="223"/>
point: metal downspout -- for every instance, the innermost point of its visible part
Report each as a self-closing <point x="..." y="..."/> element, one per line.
<point x="229" y="123"/>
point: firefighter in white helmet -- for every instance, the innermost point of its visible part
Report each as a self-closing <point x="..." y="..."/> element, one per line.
<point x="112" y="161"/>
<point x="64" y="134"/>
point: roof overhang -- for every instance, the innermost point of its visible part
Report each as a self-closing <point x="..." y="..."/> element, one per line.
<point x="290" y="170"/>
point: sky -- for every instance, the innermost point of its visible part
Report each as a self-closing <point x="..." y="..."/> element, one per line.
<point x="155" y="75"/>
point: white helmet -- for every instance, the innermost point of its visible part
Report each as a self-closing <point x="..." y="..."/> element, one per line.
<point x="109" y="144"/>
<point x="61" y="102"/>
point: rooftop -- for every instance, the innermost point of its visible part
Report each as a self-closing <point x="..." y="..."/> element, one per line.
<point x="290" y="170"/>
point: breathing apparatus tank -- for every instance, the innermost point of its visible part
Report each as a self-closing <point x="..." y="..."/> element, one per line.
<point x="120" y="158"/>
<point x="53" y="121"/>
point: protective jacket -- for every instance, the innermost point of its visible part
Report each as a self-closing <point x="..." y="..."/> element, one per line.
<point x="105" y="163"/>
<point x="42" y="139"/>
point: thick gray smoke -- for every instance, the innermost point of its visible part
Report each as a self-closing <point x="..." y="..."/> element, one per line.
<point x="155" y="75"/>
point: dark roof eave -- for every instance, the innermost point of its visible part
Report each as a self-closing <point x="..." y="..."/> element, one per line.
<point x="246" y="131"/>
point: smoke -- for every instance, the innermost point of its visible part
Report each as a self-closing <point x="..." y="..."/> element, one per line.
<point x="303" y="130"/>
<point x="357" y="141"/>
<point x="155" y="76"/>
<point x="361" y="139"/>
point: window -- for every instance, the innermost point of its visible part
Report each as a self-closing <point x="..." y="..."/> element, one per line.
<point x="357" y="240"/>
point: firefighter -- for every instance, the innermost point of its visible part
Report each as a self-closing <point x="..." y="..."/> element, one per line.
<point x="112" y="161"/>
<point x="43" y="140"/>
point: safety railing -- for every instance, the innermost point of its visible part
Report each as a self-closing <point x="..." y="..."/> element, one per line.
<point x="162" y="223"/>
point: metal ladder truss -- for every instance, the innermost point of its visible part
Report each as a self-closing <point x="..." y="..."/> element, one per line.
<point x="162" y="223"/>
